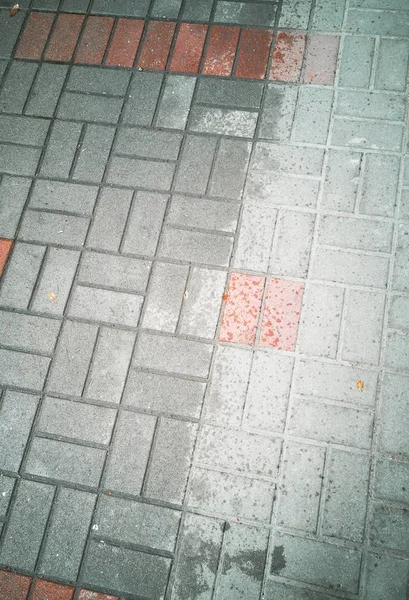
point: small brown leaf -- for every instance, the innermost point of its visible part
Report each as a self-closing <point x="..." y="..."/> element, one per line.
<point x="186" y="295"/>
<point x="360" y="385"/>
<point x="52" y="296"/>
<point x="225" y="297"/>
<point x="14" y="10"/>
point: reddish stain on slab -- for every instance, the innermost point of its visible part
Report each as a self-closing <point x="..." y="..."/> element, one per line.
<point x="13" y="586"/>
<point x="88" y="595"/>
<point x="221" y="50"/>
<point x="281" y="316"/>
<point x="35" y="35"/>
<point x="47" y="590"/>
<point x="321" y="59"/>
<point x="242" y="309"/>
<point x="253" y="53"/>
<point x="5" y="249"/>
<point x="188" y="48"/>
<point x="125" y="43"/>
<point x="287" y="57"/>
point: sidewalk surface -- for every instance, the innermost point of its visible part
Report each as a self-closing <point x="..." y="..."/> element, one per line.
<point x="204" y="301"/>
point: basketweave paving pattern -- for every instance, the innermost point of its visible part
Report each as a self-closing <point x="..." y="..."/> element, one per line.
<point x="204" y="333"/>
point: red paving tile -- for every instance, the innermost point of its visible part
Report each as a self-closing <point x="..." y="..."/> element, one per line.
<point x="156" y="46"/>
<point x="35" y="35"/>
<point x="125" y="43"/>
<point x="13" y="586"/>
<point x="64" y="37"/>
<point x="94" y="40"/>
<point x="47" y="590"/>
<point x="188" y="48"/>
<point x="281" y="316"/>
<point x="5" y="249"/>
<point x="242" y="308"/>
<point x="88" y="595"/>
<point x="253" y="53"/>
<point x="221" y="50"/>
<point x="287" y="57"/>
<point x="321" y="59"/>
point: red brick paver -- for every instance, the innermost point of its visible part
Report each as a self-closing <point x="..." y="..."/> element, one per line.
<point x="188" y="48"/>
<point x="125" y="43"/>
<point x="253" y="53"/>
<point x="13" y="586"/>
<point x="47" y="590"/>
<point x="287" y="57"/>
<point x="321" y="59"/>
<point x="156" y="46"/>
<point x="35" y="35"/>
<point x="281" y="316"/>
<point x="242" y="309"/>
<point x="94" y="40"/>
<point x="64" y="38"/>
<point x="221" y="50"/>
<point x="88" y="595"/>
<point x="5" y="249"/>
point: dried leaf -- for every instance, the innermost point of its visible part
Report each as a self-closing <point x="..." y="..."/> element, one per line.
<point x="186" y="295"/>
<point x="52" y="296"/>
<point x="360" y="385"/>
<point x="14" y="10"/>
<point x="225" y="297"/>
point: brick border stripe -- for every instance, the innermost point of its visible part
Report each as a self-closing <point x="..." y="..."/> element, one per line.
<point x="220" y="50"/>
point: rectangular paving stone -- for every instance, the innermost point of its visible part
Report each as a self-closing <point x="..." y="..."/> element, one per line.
<point x="23" y="370"/>
<point x="226" y="394"/>
<point x="281" y="316"/>
<point x="130" y="452"/>
<point x="23" y="130"/>
<point x="328" y="16"/>
<point x="196" y="247"/>
<point x="21" y="275"/>
<point x="16" y="86"/>
<point x="221" y="50"/>
<point x="386" y="577"/>
<point x="143" y="96"/>
<point x="200" y="544"/>
<point x="46" y="90"/>
<point x="291" y="252"/>
<point x="346" y="496"/>
<point x="53" y="228"/>
<point x="311" y="379"/>
<point x="19" y="160"/>
<point x="76" y="420"/>
<point x="17" y="413"/>
<point x="397" y="351"/>
<point x="370" y="106"/>
<point x="132" y="172"/>
<point x="120" y="308"/>
<point x="197" y="10"/>
<point x="111" y="213"/>
<point x="391" y="477"/>
<point x="287" y="59"/>
<point x="67" y="197"/>
<point x="361" y="234"/>
<point x="195" y="164"/>
<point x="94" y="153"/>
<point x="380" y="183"/>
<point x="61" y="45"/>
<point x="221" y="448"/>
<point x="321" y="320"/>
<point x="133" y="572"/>
<point x="312" y="116"/>
<point x="255" y="237"/>
<point x="94" y="80"/>
<point x="296" y="160"/>
<point x="28" y="519"/>
<point x="203" y="213"/>
<point x="120" y="272"/>
<point x="362" y="342"/>
<point x="394" y="416"/>
<point x="9" y="31"/>
<point x="222" y="121"/>
<point x="350" y="268"/>
<point x="230" y="495"/>
<point x="55" y="281"/>
<point x="165" y="296"/>
<point x="68" y="462"/>
<point x="295" y="14"/>
<point x="401" y="271"/>
<point x="201" y="308"/>
<point x="6" y="491"/>
<point x="341" y="180"/>
<point x="61" y="149"/>
<point x="94" y="39"/>
<point x="94" y="109"/>
<point x="253" y="53"/>
<point x="172" y="355"/>
<point x="137" y="523"/>
<point x="353" y="73"/>
<point x="321" y="59"/>
<point x="67" y="534"/>
<point x="145" y="223"/>
<point x="171" y="460"/>
<point x="301" y="487"/>
<point x="268" y="391"/>
<point x="110" y="365"/>
<point x="286" y="591"/>
<point x="164" y="394"/>
<point x="367" y="134"/>
<point x="389" y="526"/>
<point x="376" y="23"/>
<point x="397" y="51"/>
<point x="331" y="423"/>
<point x="277" y="117"/>
<point x="399" y="312"/>
<point x="76" y="342"/>
<point x="164" y="9"/>
<point x="230" y="169"/>
<point x="229" y="92"/>
<point x="156" y="45"/>
<point x="175" y="103"/>
<point x="162" y="145"/>
<point x="188" y="48"/>
<point x="124" y="43"/>
<point x="245" y="13"/>
<point x="13" y="195"/>
<point x="316" y="562"/>
<point x="27" y="332"/>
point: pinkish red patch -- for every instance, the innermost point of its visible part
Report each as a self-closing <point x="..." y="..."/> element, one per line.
<point x="88" y="595"/>
<point x="281" y="316"/>
<point x="242" y="308"/>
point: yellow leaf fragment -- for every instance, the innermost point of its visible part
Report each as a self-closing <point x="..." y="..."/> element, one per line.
<point x="52" y="296"/>
<point x="14" y="10"/>
<point x="360" y="385"/>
